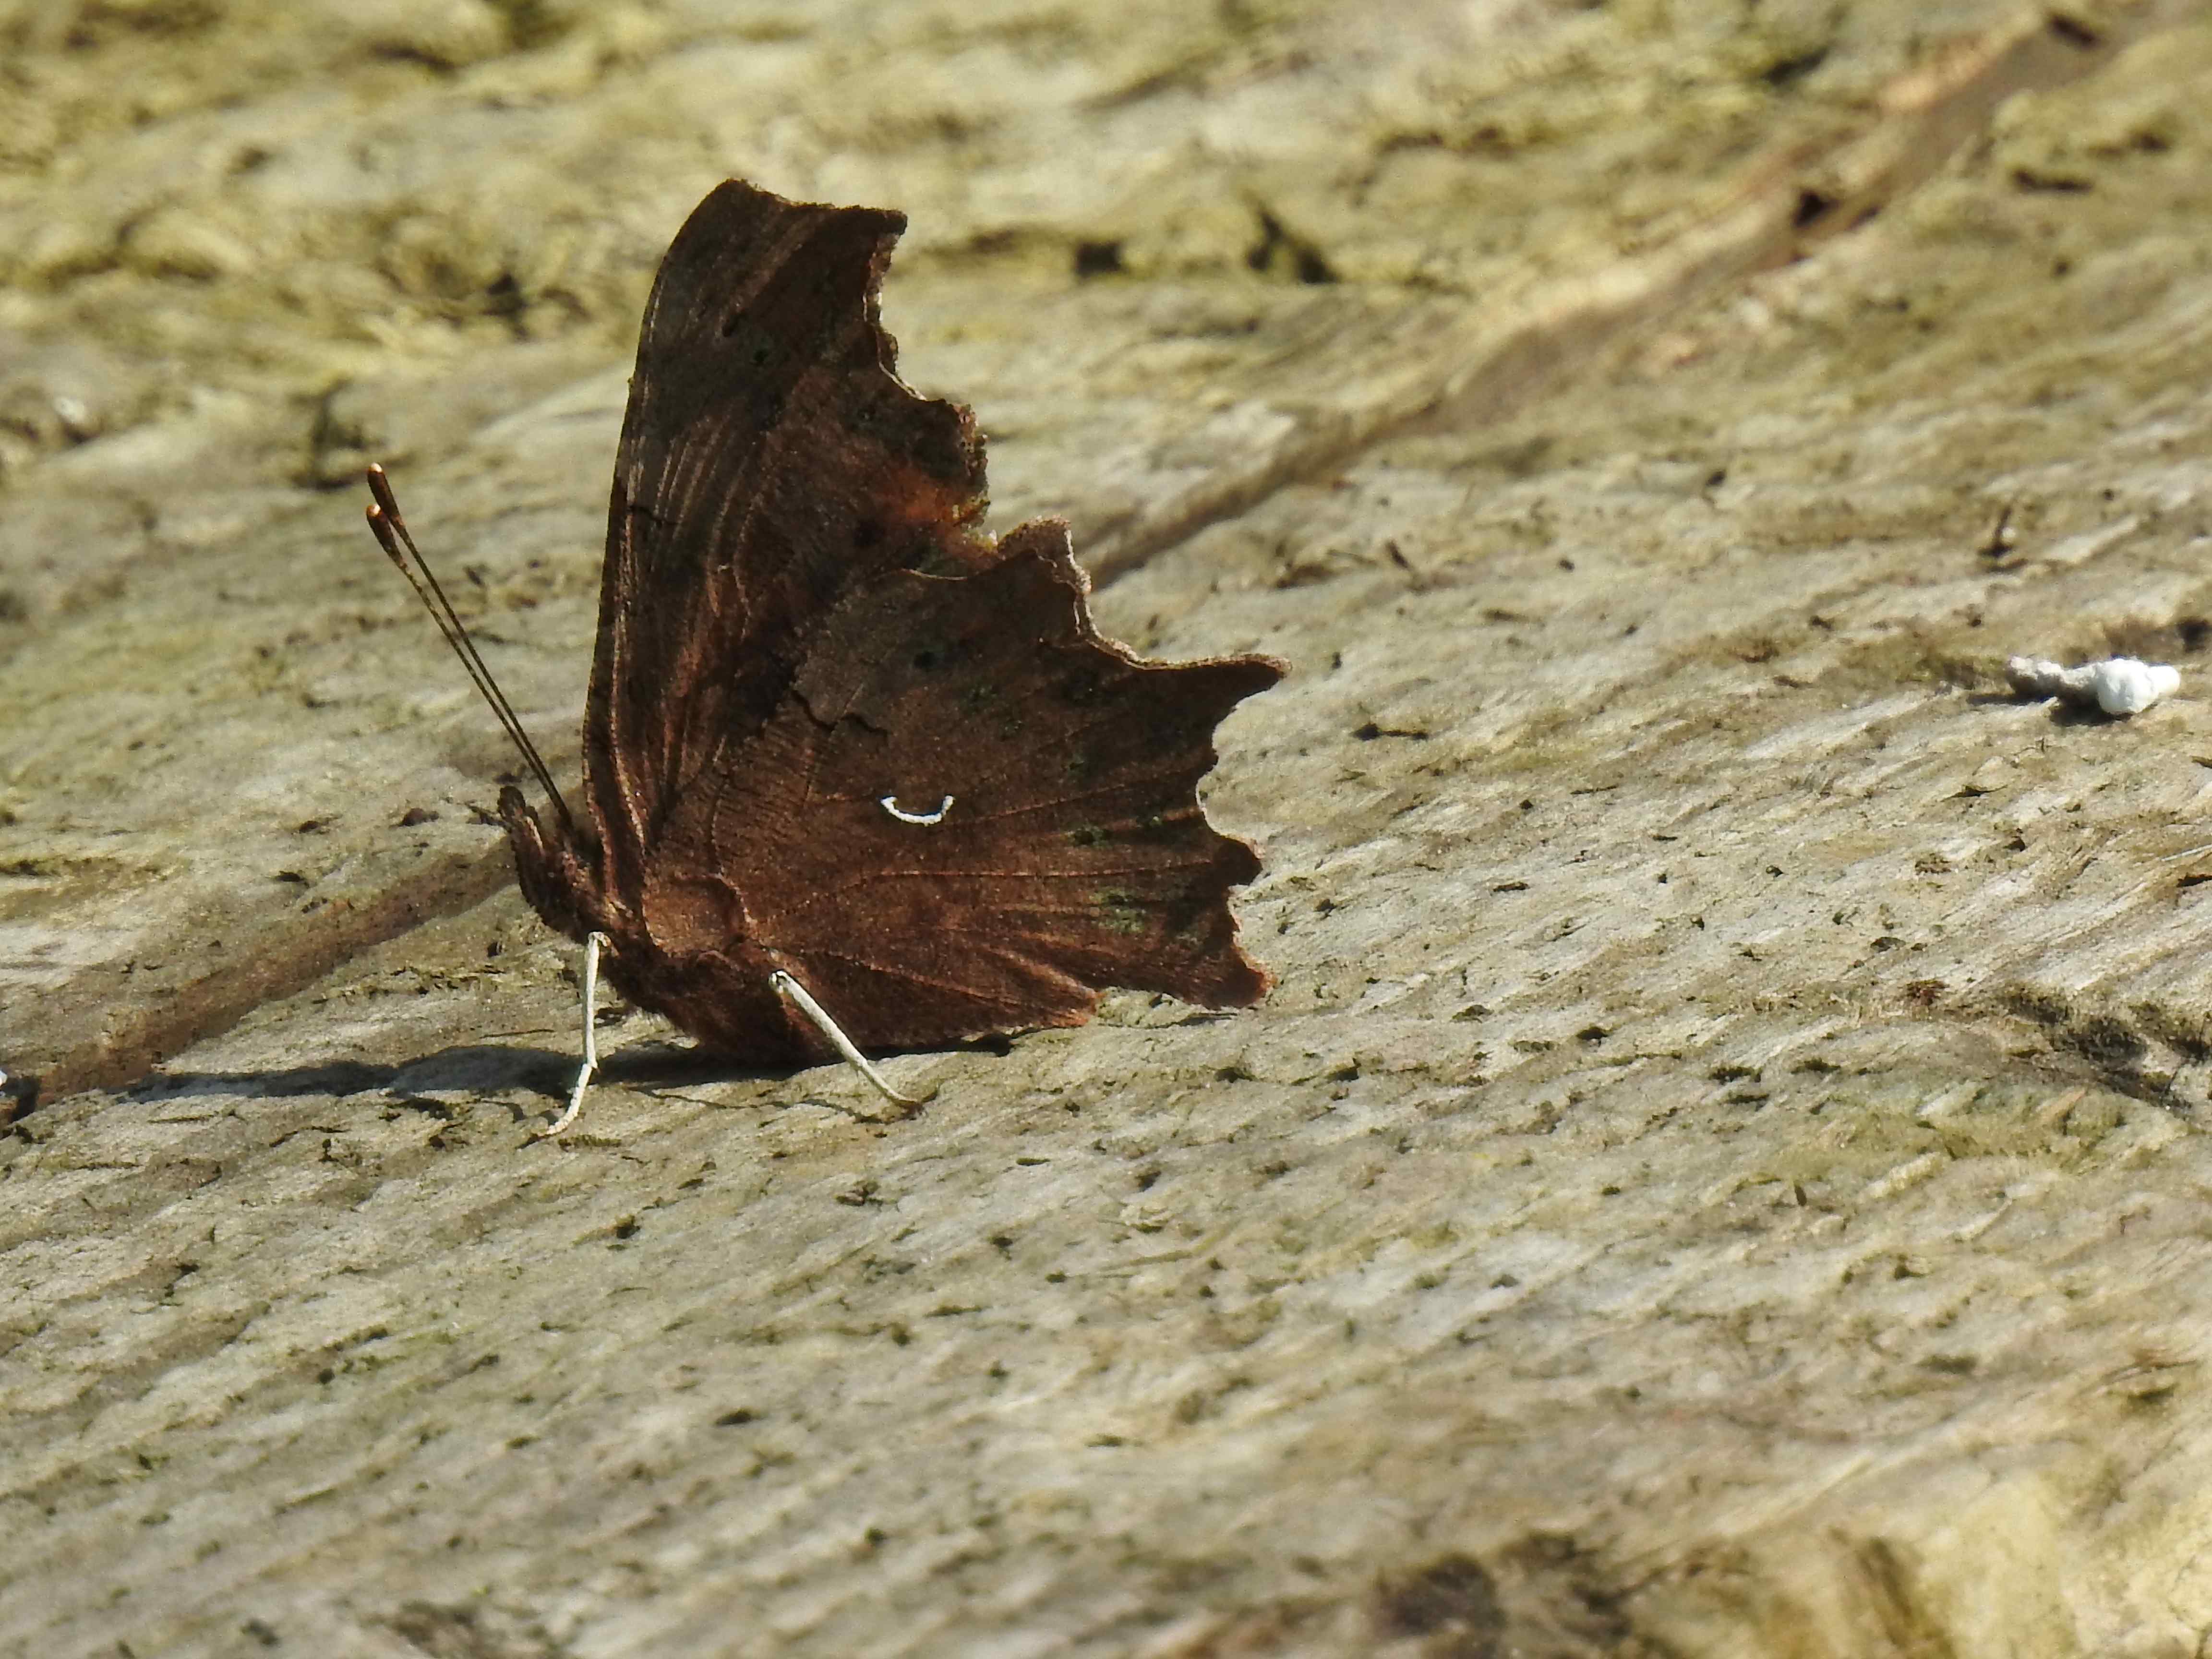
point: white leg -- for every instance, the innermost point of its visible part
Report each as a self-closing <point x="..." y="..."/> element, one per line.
<point x="829" y="1028"/>
<point x="592" y="945"/>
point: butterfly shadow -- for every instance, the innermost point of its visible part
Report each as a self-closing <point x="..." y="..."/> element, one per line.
<point x="658" y="1070"/>
<point x="486" y="1067"/>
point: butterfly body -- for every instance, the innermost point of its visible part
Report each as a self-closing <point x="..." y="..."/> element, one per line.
<point x="835" y="731"/>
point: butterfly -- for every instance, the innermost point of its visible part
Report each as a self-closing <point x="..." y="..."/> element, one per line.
<point x="857" y="776"/>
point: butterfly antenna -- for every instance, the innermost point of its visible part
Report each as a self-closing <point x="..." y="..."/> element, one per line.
<point x="389" y="528"/>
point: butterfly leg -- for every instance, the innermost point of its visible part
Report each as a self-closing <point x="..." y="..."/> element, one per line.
<point x="592" y="945"/>
<point x="814" y="1010"/>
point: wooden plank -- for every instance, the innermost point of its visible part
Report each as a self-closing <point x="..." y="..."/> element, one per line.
<point x="1175" y="407"/>
<point x="1721" y="1173"/>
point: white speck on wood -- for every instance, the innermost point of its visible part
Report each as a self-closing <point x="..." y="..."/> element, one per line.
<point x="2118" y="685"/>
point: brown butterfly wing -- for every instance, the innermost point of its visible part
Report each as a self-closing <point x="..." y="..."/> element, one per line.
<point x="1073" y="855"/>
<point x="769" y="458"/>
<point x="796" y="621"/>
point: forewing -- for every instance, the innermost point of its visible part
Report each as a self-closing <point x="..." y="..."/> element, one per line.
<point x="1073" y="855"/>
<point x="770" y="460"/>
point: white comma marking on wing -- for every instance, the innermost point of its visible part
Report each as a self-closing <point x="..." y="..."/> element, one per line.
<point x="889" y="804"/>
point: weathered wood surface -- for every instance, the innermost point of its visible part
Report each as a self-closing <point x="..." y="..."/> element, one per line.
<point x="1720" y="1174"/>
<point x="178" y="566"/>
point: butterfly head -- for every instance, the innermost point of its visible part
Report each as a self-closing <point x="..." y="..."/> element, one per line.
<point x="559" y="872"/>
